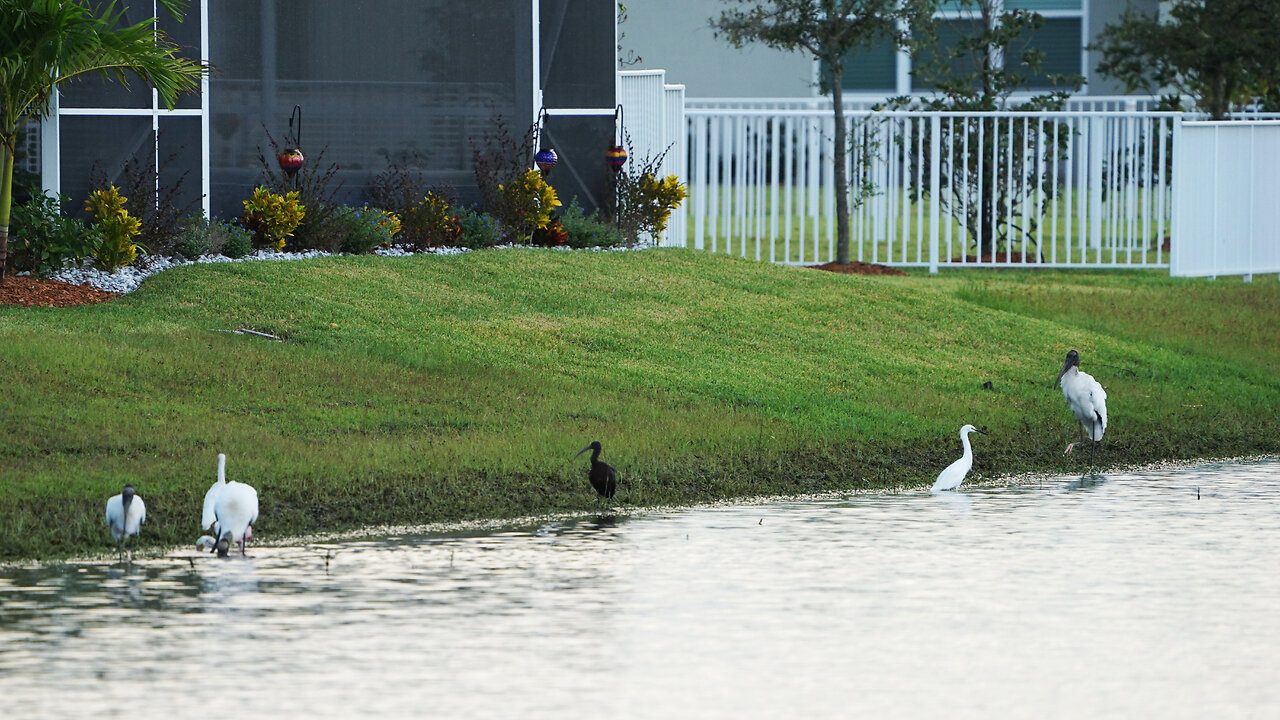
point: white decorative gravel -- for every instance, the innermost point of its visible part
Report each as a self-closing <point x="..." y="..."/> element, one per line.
<point x="127" y="279"/>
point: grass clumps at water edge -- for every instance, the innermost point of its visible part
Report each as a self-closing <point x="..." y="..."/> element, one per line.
<point x="426" y="389"/>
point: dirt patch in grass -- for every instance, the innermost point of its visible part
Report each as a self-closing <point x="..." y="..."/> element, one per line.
<point x="858" y="268"/>
<point x="30" y="292"/>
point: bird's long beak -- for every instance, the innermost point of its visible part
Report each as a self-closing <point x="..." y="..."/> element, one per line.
<point x="984" y="432"/>
<point x="1063" y="371"/>
<point x="575" y="457"/>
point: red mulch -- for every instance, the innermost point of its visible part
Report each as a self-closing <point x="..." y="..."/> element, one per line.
<point x="30" y="292"/>
<point x="858" y="268"/>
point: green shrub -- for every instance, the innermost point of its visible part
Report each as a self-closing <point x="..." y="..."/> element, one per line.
<point x="41" y="239"/>
<point x="118" y="228"/>
<point x="364" y="229"/>
<point x="237" y="240"/>
<point x="588" y="231"/>
<point x="273" y="217"/>
<point x="198" y="237"/>
<point x="479" y="230"/>
<point x="431" y="222"/>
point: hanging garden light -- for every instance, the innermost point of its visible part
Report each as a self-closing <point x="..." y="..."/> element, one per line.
<point x="546" y="160"/>
<point x="291" y="160"/>
<point x="615" y="156"/>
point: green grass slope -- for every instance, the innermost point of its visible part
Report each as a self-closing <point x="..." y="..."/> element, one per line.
<point x="431" y="388"/>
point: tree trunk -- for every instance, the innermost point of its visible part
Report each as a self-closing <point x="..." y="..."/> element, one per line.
<point x="6" y="200"/>
<point x="841" y="152"/>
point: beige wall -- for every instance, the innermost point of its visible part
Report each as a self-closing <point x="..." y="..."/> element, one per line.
<point x="675" y="35"/>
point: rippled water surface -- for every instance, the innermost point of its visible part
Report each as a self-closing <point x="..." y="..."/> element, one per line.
<point x="1124" y="597"/>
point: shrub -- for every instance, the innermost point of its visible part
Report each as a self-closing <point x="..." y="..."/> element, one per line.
<point x="315" y="190"/>
<point x="159" y="209"/>
<point x="198" y="237"/>
<point x="42" y="239"/>
<point x="366" y="228"/>
<point x="431" y="221"/>
<point x="272" y="217"/>
<point x="479" y="230"/>
<point x="529" y="202"/>
<point x="401" y="185"/>
<point x="118" y="229"/>
<point x="588" y="231"/>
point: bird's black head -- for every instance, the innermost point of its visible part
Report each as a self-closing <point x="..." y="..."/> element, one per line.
<point x="1073" y="360"/>
<point x="128" y="491"/>
<point x="224" y="544"/>
<point x="594" y="447"/>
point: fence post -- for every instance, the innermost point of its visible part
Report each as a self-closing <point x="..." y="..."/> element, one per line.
<point x="935" y="173"/>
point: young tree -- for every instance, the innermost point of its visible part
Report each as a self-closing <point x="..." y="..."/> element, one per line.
<point x="43" y="43"/>
<point x="1224" y="53"/>
<point x="829" y="30"/>
<point x="989" y="60"/>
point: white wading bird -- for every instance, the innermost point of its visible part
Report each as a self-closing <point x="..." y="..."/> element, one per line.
<point x="125" y="514"/>
<point x="231" y="508"/>
<point x="1087" y="400"/>
<point x="951" y="478"/>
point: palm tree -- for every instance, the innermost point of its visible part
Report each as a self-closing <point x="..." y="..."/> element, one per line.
<point x="46" y="42"/>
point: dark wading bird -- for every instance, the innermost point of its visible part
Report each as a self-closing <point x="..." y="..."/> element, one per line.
<point x="1087" y="400"/>
<point x="125" y="515"/>
<point x="603" y="477"/>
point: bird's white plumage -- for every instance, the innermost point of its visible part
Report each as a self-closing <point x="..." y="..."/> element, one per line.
<point x="955" y="473"/>
<point x="121" y="526"/>
<point x="1087" y="400"/>
<point x="211" y="495"/>
<point x="205" y="543"/>
<point x="236" y="510"/>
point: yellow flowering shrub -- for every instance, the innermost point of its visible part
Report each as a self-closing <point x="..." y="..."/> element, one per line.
<point x="273" y="217"/>
<point x="116" y="226"/>
<point x="530" y="202"/>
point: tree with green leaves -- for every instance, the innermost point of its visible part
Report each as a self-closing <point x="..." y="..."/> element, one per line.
<point x="1224" y="53"/>
<point x="989" y="57"/>
<point x="829" y="30"/>
<point x="44" y="43"/>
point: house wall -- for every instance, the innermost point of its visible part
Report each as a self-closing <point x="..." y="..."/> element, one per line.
<point x="675" y="35"/>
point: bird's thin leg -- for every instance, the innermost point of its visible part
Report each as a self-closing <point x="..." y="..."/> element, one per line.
<point x="120" y="551"/>
<point x="242" y="553"/>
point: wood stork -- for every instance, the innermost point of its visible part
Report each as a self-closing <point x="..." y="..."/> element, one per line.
<point x="603" y="477"/>
<point x="955" y="473"/>
<point x="1087" y="400"/>
<point x="125" y="514"/>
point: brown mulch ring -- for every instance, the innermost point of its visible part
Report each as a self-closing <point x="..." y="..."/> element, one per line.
<point x="30" y="292"/>
<point x="858" y="268"/>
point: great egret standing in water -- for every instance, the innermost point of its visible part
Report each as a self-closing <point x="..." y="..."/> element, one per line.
<point x="232" y="509"/>
<point x="125" y="514"/>
<point x="951" y="478"/>
<point x="207" y="518"/>
<point x="1087" y="400"/>
<point x="603" y="477"/>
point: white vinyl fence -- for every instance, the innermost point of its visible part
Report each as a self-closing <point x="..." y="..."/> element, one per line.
<point x="653" y="121"/>
<point x="933" y="189"/>
<point x="1227" y="220"/>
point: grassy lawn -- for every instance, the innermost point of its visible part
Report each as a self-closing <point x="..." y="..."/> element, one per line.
<point x="432" y="388"/>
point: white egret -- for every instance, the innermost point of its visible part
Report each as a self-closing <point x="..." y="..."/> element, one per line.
<point x="951" y="478"/>
<point x="235" y="511"/>
<point x="1087" y="400"/>
<point x="125" y="514"/>
<point x="211" y="495"/>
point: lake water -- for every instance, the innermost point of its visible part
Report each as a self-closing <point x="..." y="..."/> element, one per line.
<point x="1124" y="597"/>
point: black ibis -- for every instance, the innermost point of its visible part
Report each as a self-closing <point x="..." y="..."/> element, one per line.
<point x="602" y="476"/>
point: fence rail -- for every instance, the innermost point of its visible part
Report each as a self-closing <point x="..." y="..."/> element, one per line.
<point x="1048" y="189"/>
